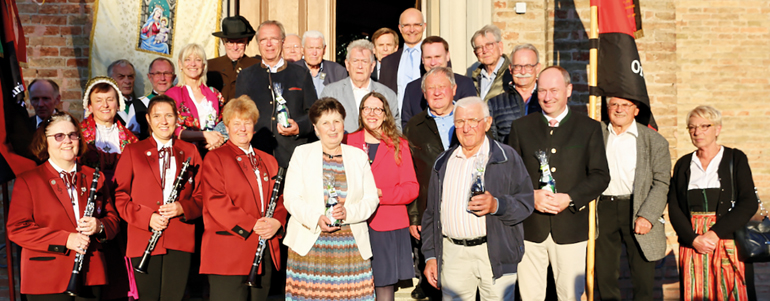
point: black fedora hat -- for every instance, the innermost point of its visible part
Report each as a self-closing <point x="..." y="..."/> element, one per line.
<point x="235" y="27"/>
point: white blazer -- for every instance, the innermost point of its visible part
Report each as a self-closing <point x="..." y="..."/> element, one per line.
<point x="303" y="197"/>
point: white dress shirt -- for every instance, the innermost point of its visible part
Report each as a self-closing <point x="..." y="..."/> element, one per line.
<point x="72" y="191"/>
<point x="621" y="158"/>
<point x="170" y="176"/>
<point x="259" y="180"/>
<point x="487" y="79"/>
<point x="701" y="178"/>
<point x="558" y="118"/>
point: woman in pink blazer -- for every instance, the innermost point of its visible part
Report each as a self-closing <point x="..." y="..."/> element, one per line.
<point x="397" y="186"/>
<point x="198" y="105"/>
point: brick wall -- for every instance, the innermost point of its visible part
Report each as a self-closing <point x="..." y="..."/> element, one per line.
<point x="57" y="35"/>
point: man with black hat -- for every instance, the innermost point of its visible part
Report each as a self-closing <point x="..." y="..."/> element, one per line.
<point x="236" y="34"/>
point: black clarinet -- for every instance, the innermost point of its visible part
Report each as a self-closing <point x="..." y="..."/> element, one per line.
<point x="142" y="267"/>
<point x="252" y="280"/>
<point x="72" y="287"/>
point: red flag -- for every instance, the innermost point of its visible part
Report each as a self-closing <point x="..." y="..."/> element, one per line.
<point x="620" y="72"/>
<point x="15" y="134"/>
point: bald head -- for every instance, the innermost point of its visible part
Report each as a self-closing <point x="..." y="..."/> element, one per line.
<point x="412" y="25"/>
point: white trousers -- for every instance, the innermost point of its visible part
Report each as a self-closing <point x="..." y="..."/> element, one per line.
<point x="465" y="269"/>
<point x="568" y="262"/>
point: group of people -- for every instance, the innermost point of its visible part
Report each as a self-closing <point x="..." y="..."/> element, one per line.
<point x="397" y="167"/>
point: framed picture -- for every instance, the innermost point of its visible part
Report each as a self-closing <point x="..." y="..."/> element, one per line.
<point x="156" y="26"/>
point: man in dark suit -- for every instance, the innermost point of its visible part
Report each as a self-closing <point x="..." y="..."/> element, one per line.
<point x="519" y="97"/>
<point x="402" y="67"/>
<point x="429" y="133"/>
<point x="161" y="77"/>
<point x="435" y="53"/>
<point x="557" y="232"/>
<point x="44" y="97"/>
<point x="630" y="210"/>
<point x="223" y="71"/>
<point x="269" y="81"/>
<point x="385" y="42"/>
<point x="322" y="71"/>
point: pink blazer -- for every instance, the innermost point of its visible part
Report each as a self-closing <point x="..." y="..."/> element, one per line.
<point x="188" y="112"/>
<point x="398" y="183"/>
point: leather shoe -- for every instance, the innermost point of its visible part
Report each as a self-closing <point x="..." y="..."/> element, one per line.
<point x="418" y="294"/>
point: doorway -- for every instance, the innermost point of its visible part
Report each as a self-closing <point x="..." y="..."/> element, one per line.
<point x="359" y="19"/>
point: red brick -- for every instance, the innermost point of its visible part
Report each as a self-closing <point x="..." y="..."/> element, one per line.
<point x="72" y="9"/>
<point x="71" y="73"/>
<point x="49" y="51"/>
<point x="71" y="30"/>
<point x="57" y="20"/>
<point x="52" y="30"/>
<point x="77" y="63"/>
<point x="72" y="94"/>
<point x="27" y="8"/>
<point x="49" y="9"/>
<point x="67" y="51"/>
<point x="78" y="20"/>
<point x="47" y="73"/>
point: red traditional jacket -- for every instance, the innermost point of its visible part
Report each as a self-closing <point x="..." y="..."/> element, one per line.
<point x="93" y="156"/>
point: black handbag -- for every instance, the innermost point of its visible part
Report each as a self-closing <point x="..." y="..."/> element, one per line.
<point x="753" y="239"/>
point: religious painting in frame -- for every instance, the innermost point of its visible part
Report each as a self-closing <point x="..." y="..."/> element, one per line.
<point x="156" y="27"/>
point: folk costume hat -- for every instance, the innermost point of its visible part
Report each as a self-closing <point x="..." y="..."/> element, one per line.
<point x="98" y="80"/>
<point x="235" y="27"/>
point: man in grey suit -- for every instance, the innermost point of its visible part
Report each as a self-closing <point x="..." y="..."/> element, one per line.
<point x="630" y="209"/>
<point x="322" y="71"/>
<point x="360" y="63"/>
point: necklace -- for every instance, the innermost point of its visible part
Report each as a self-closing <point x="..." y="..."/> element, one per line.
<point x="331" y="156"/>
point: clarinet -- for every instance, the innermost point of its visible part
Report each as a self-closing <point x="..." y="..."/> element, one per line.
<point x="252" y="280"/>
<point x="142" y="267"/>
<point x="72" y="287"/>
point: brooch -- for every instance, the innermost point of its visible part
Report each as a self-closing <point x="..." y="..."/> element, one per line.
<point x="265" y="177"/>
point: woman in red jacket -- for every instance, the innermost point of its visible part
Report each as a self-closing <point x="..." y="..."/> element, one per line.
<point x="46" y="217"/>
<point x="145" y="176"/>
<point x="237" y="185"/>
<point x="397" y="186"/>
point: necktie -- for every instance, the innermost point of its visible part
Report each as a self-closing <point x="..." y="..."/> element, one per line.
<point x="69" y="178"/>
<point x="553" y="123"/>
<point x="129" y="100"/>
<point x="253" y="161"/>
<point x="410" y="51"/>
<point x="164" y="154"/>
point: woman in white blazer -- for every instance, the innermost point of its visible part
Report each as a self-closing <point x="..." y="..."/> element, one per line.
<point x="323" y="255"/>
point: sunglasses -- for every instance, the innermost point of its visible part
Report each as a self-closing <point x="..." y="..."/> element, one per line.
<point x="74" y="136"/>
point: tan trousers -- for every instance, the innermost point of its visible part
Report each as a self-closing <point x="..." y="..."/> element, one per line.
<point x="568" y="262"/>
<point x="465" y="269"/>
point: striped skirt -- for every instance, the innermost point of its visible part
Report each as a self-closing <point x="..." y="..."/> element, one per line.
<point x="713" y="276"/>
<point x="332" y="270"/>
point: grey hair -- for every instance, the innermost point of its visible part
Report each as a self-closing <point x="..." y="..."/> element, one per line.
<point x="564" y="73"/>
<point x="527" y="46"/>
<point x="491" y="28"/>
<point x="466" y="102"/>
<point x="313" y="34"/>
<point x="274" y="23"/>
<point x="446" y="71"/>
<point x="362" y="44"/>
<point x="122" y="62"/>
<point x="173" y="69"/>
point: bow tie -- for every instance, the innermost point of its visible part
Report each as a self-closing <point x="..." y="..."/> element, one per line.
<point x="69" y="178"/>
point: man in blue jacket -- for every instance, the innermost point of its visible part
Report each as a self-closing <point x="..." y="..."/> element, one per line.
<point x="476" y="242"/>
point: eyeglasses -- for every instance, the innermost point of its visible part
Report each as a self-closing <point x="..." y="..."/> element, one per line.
<point x="488" y="46"/>
<point x="369" y="110"/>
<point x="702" y="127"/>
<point x="286" y="46"/>
<point x="162" y="74"/>
<point x="471" y="122"/>
<point x="356" y="62"/>
<point x="74" y="136"/>
<point x="414" y="25"/>
<point x="264" y="41"/>
<point x="622" y="106"/>
<point x="527" y="67"/>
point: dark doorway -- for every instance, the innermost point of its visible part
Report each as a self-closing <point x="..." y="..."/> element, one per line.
<point x="359" y="19"/>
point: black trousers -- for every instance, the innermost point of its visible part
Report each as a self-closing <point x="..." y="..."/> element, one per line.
<point x="615" y="218"/>
<point x="88" y="293"/>
<point x="233" y="287"/>
<point x="166" y="276"/>
<point x="431" y="292"/>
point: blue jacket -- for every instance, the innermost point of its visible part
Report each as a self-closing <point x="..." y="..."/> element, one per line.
<point x="506" y="178"/>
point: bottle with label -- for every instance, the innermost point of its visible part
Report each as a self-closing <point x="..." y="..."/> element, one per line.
<point x="281" y="111"/>
<point x="477" y="186"/>
<point x="547" y="181"/>
<point x="331" y="201"/>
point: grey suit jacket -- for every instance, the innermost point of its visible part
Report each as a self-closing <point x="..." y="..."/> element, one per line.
<point x="343" y="92"/>
<point x="651" y="179"/>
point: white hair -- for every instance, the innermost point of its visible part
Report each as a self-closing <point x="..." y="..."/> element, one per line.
<point x="361" y="44"/>
<point x="313" y="34"/>
<point x="472" y="100"/>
